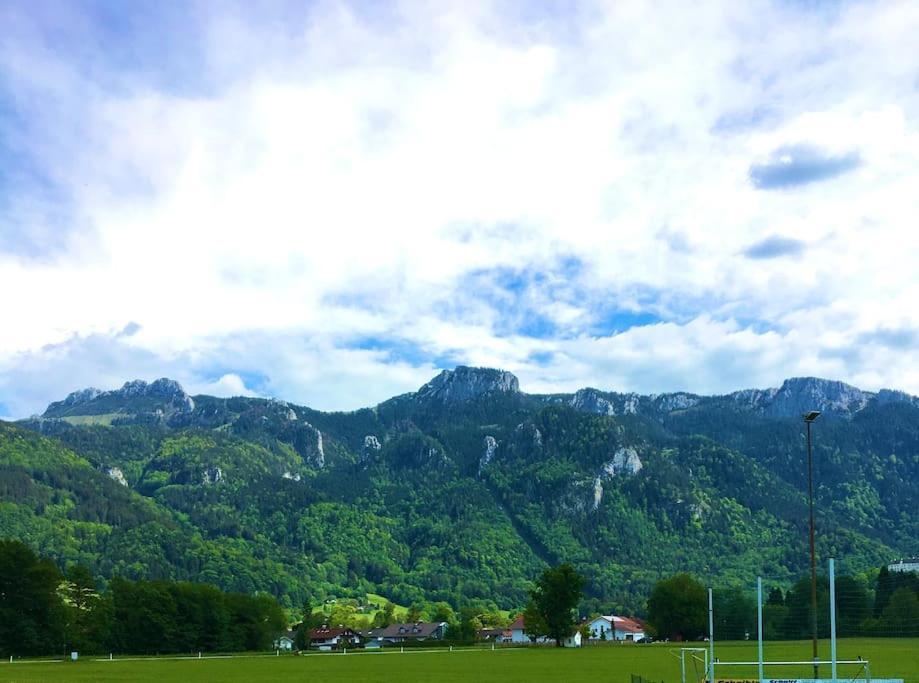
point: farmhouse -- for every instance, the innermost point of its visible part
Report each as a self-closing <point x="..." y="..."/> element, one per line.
<point x="417" y="631"/>
<point x="325" y="638"/>
<point x="519" y="635"/>
<point x="285" y="641"/>
<point x="612" y="627"/>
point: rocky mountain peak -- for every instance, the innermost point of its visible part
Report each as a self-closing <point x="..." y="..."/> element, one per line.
<point x="135" y="396"/>
<point x="798" y="395"/>
<point x="464" y="383"/>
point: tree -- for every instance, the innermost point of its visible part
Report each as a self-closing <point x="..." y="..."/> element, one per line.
<point x="556" y="595"/>
<point x="31" y="613"/>
<point x="776" y="596"/>
<point x="87" y="614"/>
<point x="677" y="608"/>
<point x="901" y="616"/>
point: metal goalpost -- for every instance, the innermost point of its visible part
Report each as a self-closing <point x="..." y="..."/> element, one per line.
<point x="862" y="675"/>
<point x="697" y="659"/>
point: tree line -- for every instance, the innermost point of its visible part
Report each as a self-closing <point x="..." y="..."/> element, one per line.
<point x="44" y="611"/>
<point x="678" y="609"/>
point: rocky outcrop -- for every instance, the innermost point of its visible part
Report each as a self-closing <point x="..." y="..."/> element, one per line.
<point x="369" y="449"/>
<point x="212" y="475"/>
<point x="135" y="397"/>
<point x="624" y="461"/>
<point x="293" y="476"/>
<point x="490" y="447"/>
<point x="465" y="383"/>
<point x="602" y="403"/>
<point x="799" y="395"/>
<point x="117" y="475"/>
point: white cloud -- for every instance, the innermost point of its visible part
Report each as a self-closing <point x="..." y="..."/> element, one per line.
<point x="336" y="176"/>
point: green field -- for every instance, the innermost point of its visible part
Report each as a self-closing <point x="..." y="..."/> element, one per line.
<point x="893" y="658"/>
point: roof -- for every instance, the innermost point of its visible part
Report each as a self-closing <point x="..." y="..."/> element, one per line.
<point x="624" y="623"/>
<point x="325" y="633"/>
<point x="518" y="624"/>
<point x="418" y="629"/>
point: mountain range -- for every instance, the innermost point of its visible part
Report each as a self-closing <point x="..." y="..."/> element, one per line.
<point x="462" y="490"/>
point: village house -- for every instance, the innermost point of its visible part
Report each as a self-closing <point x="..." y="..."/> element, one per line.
<point x="285" y="641"/>
<point x="519" y="635"/>
<point x="417" y="631"/>
<point x="612" y="627"/>
<point x="325" y="638"/>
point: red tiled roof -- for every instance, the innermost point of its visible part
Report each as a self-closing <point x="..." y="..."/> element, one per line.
<point x="518" y="624"/>
<point x="325" y="633"/>
<point x="629" y="625"/>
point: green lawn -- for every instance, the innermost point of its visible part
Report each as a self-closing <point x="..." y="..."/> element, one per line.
<point x="893" y="658"/>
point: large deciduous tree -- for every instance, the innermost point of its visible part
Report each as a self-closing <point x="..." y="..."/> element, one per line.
<point x="677" y="608"/>
<point x="553" y="601"/>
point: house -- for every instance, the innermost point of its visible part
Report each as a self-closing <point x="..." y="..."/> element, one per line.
<point x="372" y="638"/>
<point x="285" y="641"/>
<point x="519" y="635"/>
<point x="612" y="627"/>
<point x="493" y="635"/>
<point x="417" y="631"/>
<point x="910" y="564"/>
<point x="325" y="638"/>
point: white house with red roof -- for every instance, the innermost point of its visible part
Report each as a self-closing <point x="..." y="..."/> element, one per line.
<point x="519" y="635"/>
<point x="613" y="627"/>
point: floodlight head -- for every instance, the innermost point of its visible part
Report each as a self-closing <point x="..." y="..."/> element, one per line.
<point x="811" y="416"/>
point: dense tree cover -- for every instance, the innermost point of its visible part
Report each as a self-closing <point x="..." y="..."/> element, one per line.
<point x="43" y="611"/>
<point x="677" y="608"/>
<point x="553" y="601"/>
<point x="400" y="500"/>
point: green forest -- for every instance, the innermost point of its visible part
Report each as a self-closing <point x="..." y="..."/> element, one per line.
<point x="428" y="498"/>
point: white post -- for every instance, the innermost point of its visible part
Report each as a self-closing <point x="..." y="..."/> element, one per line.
<point x="711" y="637"/>
<point x="682" y="666"/>
<point x="110" y="656"/>
<point x="759" y="615"/>
<point x="401" y="649"/>
<point x="833" y="616"/>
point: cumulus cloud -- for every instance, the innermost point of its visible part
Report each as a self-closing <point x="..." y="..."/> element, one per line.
<point x="331" y="203"/>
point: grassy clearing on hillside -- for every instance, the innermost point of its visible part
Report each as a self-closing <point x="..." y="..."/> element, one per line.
<point x="894" y="658"/>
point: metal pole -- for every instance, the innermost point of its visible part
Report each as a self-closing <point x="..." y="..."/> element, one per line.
<point x="711" y="637"/>
<point x="759" y="614"/>
<point x="682" y="666"/>
<point x="810" y="497"/>
<point x="833" y="617"/>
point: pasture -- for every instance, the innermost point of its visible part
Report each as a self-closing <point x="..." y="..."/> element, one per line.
<point x="893" y="658"/>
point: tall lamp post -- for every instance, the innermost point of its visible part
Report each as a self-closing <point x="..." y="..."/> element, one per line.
<point x="809" y="419"/>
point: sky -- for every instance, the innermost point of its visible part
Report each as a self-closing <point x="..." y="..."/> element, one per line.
<point x="329" y="202"/>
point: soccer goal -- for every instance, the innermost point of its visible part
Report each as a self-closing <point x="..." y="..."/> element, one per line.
<point x="693" y="664"/>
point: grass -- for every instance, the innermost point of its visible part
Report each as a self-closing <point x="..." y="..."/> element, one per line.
<point x="890" y="658"/>
<point x="104" y="419"/>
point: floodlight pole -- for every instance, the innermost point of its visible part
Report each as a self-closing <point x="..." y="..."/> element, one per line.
<point x="833" y="617"/>
<point x="711" y="637"/>
<point x="808" y="420"/>
<point x="759" y="629"/>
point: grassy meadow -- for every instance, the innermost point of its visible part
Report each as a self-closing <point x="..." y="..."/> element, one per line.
<point x="890" y="658"/>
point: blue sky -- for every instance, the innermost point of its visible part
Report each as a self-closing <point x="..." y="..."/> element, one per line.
<point x="328" y="202"/>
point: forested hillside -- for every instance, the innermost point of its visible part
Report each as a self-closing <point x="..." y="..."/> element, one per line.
<point x="461" y="491"/>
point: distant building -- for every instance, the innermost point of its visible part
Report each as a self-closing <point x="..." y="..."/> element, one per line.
<point x="325" y="638"/>
<point x="417" y="631"/>
<point x="285" y="641"/>
<point x="494" y="635"/>
<point x="616" y="628"/>
<point x="910" y="564"/>
<point x="518" y="634"/>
